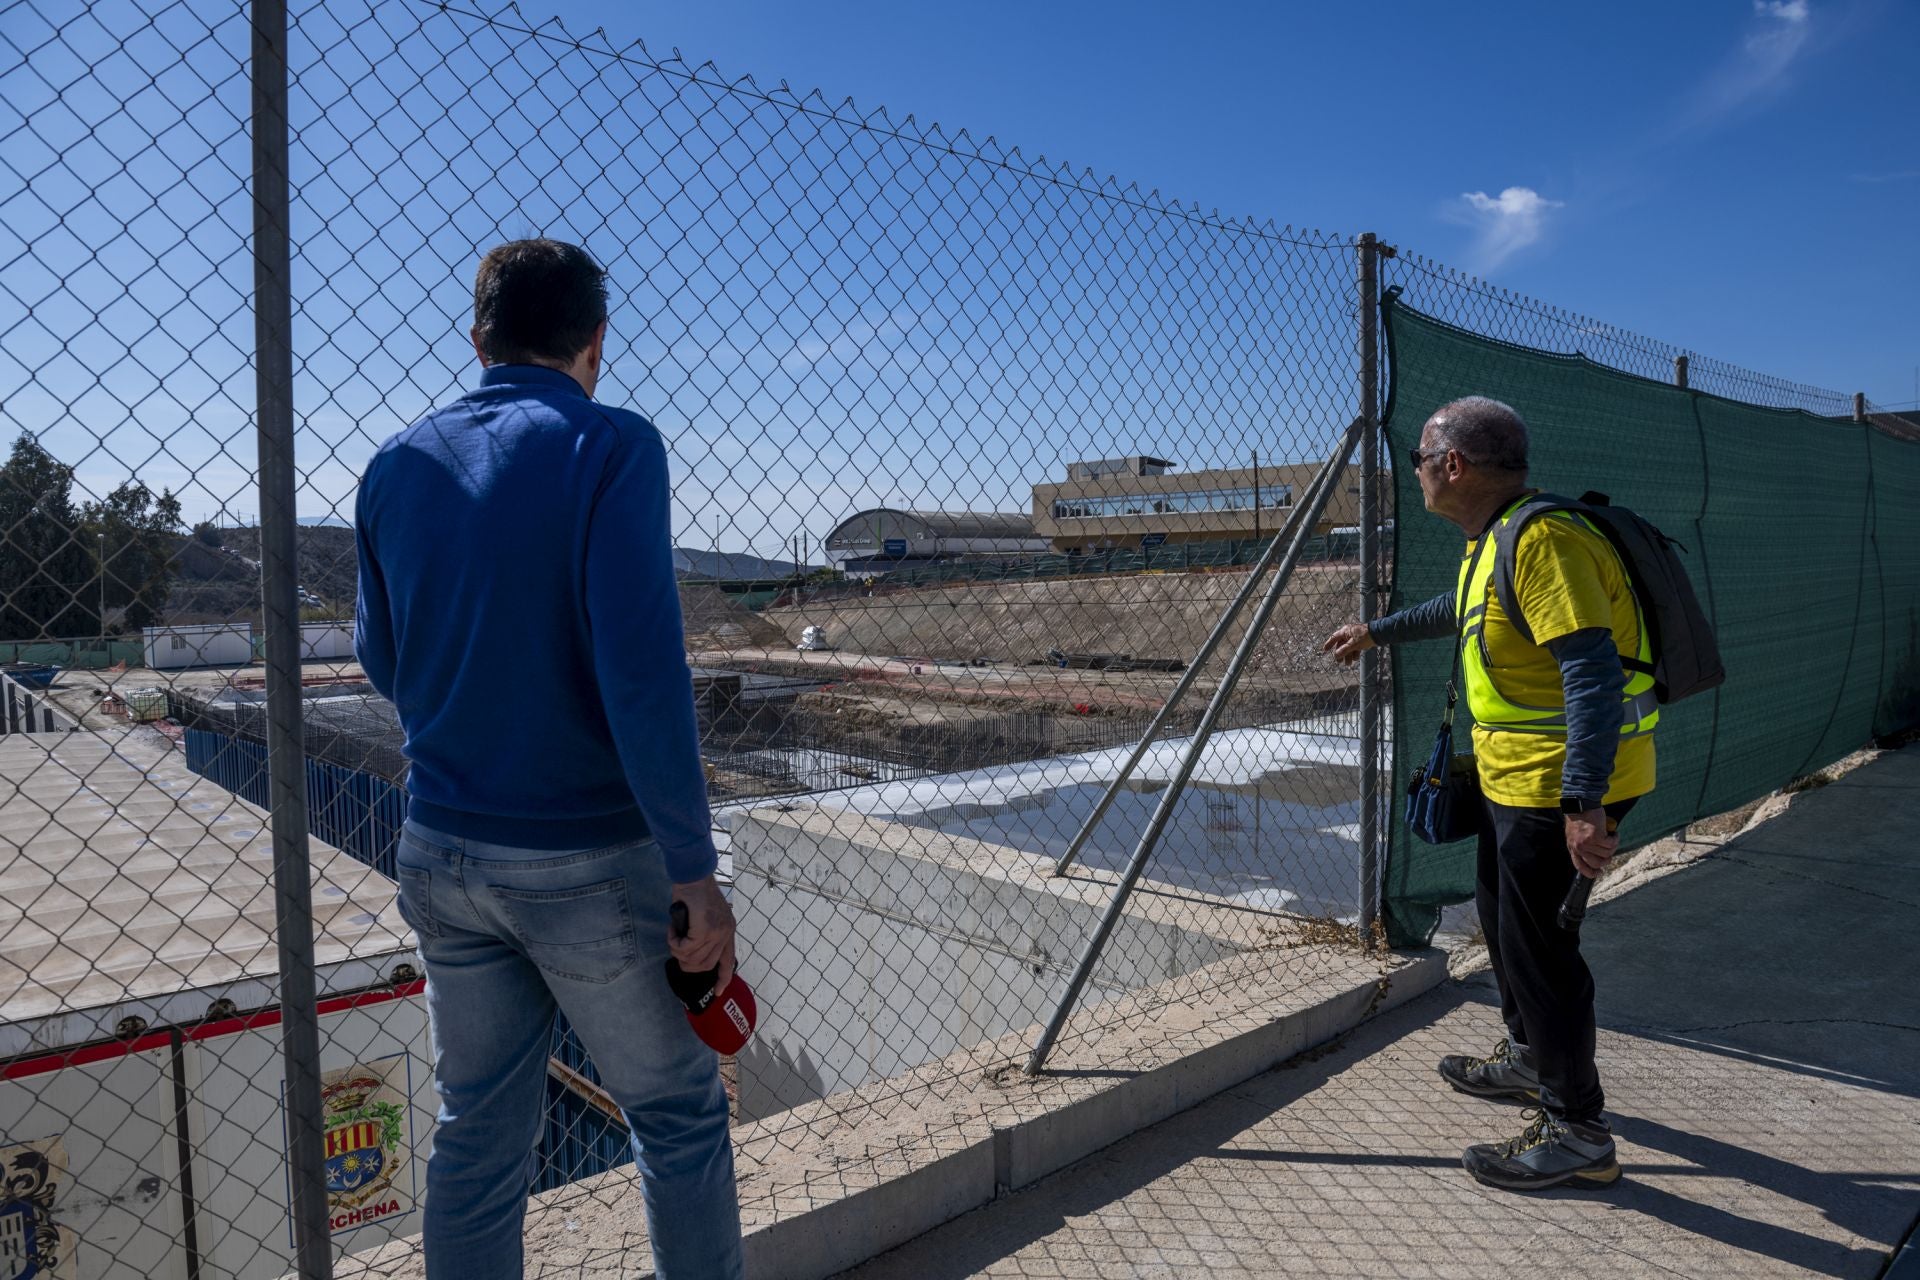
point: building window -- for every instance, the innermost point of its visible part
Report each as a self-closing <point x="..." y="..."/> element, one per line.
<point x="179" y="642"/>
<point x="1183" y="503"/>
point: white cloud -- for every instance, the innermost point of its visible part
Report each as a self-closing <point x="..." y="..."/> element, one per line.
<point x="1778" y="35"/>
<point x="1507" y="223"/>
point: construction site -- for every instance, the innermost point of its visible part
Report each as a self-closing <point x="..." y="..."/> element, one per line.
<point x="1092" y="890"/>
<point x="968" y="675"/>
<point x="914" y="800"/>
<point x="981" y="683"/>
<point x="913" y="680"/>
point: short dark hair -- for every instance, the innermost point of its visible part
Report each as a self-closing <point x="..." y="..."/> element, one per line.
<point x="537" y="300"/>
<point x="1484" y="431"/>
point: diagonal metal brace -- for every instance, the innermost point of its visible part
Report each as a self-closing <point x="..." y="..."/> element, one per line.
<point x="1302" y="525"/>
<point x="1307" y="510"/>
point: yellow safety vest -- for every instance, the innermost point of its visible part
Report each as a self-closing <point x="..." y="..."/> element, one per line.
<point x="1492" y="709"/>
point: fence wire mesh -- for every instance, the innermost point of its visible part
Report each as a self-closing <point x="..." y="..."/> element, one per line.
<point x="969" y="452"/>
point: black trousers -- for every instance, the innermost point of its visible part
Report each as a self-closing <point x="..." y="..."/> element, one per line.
<point x="1546" y="990"/>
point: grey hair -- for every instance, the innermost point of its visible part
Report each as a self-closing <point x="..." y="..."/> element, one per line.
<point x="1484" y="432"/>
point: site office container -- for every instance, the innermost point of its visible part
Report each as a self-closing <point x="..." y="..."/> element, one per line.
<point x="212" y="645"/>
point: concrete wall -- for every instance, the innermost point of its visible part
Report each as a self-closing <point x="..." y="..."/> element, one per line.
<point x="874" y="947"/>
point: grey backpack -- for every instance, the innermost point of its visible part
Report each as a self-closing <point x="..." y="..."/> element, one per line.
<point x="1686" y="657"/>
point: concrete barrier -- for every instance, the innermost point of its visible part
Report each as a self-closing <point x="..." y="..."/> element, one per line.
<point x="875" y="946"/>
<point x="1195" y="996"/>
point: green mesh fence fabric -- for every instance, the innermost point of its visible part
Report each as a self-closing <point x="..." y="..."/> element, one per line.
<point x="1802" y="537"/>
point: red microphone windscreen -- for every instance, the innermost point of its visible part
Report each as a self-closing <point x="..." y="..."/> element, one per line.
<point x="727" y="1023"/>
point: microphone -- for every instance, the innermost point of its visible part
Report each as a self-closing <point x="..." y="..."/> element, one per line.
<point x="723" y="1019"/>
<point x="1573" y="908"/>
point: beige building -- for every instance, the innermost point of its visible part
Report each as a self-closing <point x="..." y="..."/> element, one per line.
<point x="1131" y="502"/>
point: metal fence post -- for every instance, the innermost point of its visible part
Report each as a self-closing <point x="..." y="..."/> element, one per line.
<point x="280" y="613"/>
<point x="1680" y="372"/>
<point x="1370" y="735"/>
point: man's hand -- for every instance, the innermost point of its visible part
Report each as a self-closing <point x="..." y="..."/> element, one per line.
<point x="709" y="940"/>
<point x="1348" y="643"/>
<point x="1588" y="840"/>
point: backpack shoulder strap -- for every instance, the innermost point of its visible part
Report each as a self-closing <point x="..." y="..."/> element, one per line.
<point x="1506" y="545"/>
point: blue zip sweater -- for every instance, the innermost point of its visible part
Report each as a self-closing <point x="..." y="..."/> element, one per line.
<point x="518" y="605"/>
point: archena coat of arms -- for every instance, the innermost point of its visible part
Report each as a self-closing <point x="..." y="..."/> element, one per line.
<point x="364" y="1133"/>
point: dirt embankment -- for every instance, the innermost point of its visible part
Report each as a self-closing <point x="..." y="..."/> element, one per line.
<point x="714" y="622"/>
<point x="1147" y="615"/>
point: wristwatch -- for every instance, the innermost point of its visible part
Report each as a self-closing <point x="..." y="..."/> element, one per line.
<point x="1579" y="804"/>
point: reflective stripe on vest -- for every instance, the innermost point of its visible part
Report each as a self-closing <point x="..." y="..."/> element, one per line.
<point x="1640" y="708"/>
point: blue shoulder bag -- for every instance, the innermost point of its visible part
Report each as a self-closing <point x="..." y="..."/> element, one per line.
<point x="1443" y="799"/>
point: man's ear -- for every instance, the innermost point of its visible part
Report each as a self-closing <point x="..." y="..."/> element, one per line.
<point x="474" y="333"/>
<point x="596" y="349"/>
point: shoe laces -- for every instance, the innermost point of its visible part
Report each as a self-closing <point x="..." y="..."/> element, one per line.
<point x="1502" y="1053"/>
<point x="1541" y="1128"/>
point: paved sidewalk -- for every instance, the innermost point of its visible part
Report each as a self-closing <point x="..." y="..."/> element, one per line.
<point x="1760" y="1043"/>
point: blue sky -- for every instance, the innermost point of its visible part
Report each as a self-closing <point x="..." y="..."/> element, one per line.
<point x="1737" y="177"/>
<point x="820" y="317"/>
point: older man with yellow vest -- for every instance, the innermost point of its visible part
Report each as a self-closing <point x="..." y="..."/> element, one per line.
<point x="1563" y="714"/>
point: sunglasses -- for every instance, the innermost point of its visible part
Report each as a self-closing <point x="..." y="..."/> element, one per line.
<point x="1418" y="456"/>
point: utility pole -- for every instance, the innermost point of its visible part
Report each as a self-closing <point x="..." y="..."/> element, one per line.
<point x="1256" y="495"/>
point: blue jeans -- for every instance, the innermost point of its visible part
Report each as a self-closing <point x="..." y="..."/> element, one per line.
<point x="508" y="936"/>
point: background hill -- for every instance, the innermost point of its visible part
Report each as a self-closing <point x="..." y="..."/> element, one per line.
<point x="222" y="584"/>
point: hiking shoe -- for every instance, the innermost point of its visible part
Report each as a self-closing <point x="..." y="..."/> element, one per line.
<point x="1504" y="1075"/>
<point x="1549" y="1153"/>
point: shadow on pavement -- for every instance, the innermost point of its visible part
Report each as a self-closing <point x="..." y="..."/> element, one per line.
<point x="1760" y="1041"/>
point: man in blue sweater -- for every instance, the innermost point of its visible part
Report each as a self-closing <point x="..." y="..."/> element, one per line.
<point x="518" y="606"/>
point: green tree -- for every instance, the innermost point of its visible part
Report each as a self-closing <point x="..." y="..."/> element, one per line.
<point x="135" y="535"/>
<point x="207" y="533"/>
<point x="46" y="564"/>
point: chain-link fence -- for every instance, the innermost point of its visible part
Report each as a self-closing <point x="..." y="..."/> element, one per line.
<point x="970" y="454"/>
